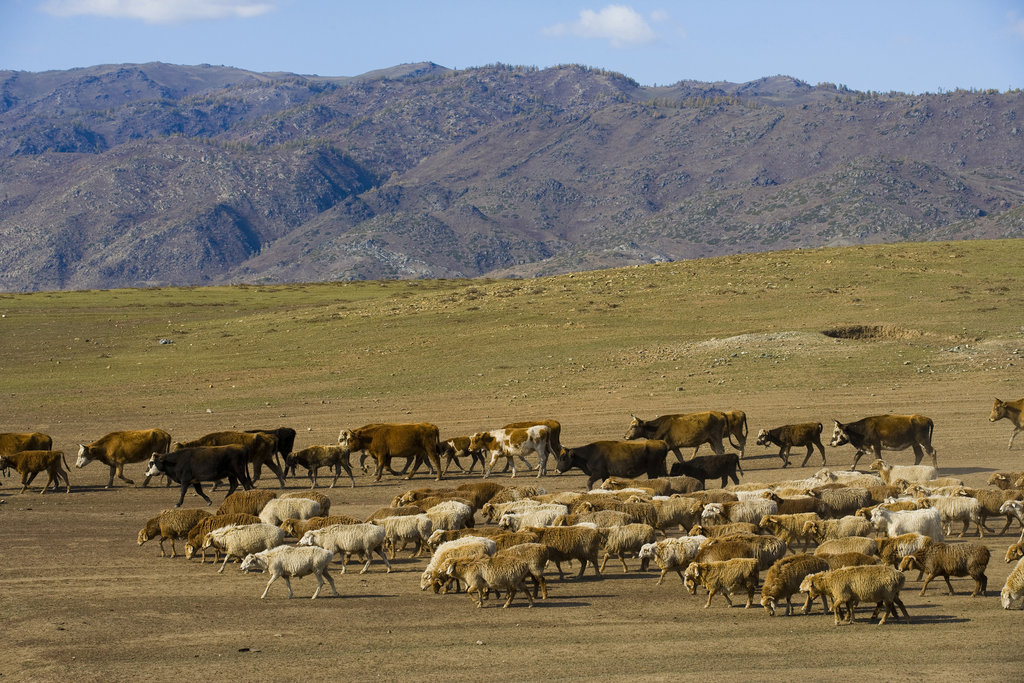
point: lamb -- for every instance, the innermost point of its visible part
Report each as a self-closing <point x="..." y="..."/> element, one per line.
<point x="347" y="539"/>
<point x="955" y="509"/>
<point x="847" y="544"/>
<point x="675" y="512"/>
<point x="852" y="559"/>
<point x="828" y="529"/>
<point x="451" y="514"/>
<point x="543" y="516"/>
<point x="672" y="554"/>
<point x="245" y="502"/>
<point x="945" y="560"/>
<point x="287" y="562"/>
<point x="406" y="529"/>
<point x="725" y="576"/>
<point x="1013" y="590"/>
<point x="598" y="518"/>
<point x="784" y="579"/>
<point x="467" y="546"/>
<point x="844" y="501"/>
<point x="208" y="524"/>
<point x="927" y="522"/>
<point x="724" y="529"/>
<point x="325" y="502"/>
<point x="500" y="572"/>
<point x="892" y="550"/>
<point x="570" y="543"/>
<point x="619" y="540"/>
<point x="766" y="549"/>
<point x="171" y="525"/>
<point x="880" y="584"/>
<point x="911" y="473"/>
<point x="239" y="541"/>
<point x="1005" y="480"/>
<point x="280" y="509"/>
<point x="752" y="511"/>
<point x="315" y="457"/>
<point x="790" y="528"/>
<point x="296" y="528"/>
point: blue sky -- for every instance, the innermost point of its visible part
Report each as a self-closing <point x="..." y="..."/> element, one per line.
<point x="907" y="45"/>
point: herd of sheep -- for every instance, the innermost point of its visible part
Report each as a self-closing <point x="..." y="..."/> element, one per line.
<point x="483" y="538"/>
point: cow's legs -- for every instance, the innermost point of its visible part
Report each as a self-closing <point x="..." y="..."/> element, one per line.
<point x="1013" y="435"/>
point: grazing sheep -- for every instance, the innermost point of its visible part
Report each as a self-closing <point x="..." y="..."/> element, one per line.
<point x="620" y="540"/>
<point x="325" y="502"/>
<point x="724" y="529"/>
<point x="1013" y="590"/>
<point x="451" y="514"/>
<point x="286" y="562"/>
<point x="790" y="528"/>
<point x="945" y="560"/>
<point x="911" y="473"/>
<point x="467" y="546"/>
<point x="847" y="544"/>
<point x="853" y="559"/>
<point x="955" y="509"/>
<point x="245" y="502"/>
<point x="752" y="511"/>
<point x="346" y="539"/>
<point x="296" y="528"/>
<point x="766" y="549"/>
<point x="892" y="550"/>
<point x="208" y="524"/>
<point x="280" y="509"/>
<point x="598" y="518"/>
<point x="926" y="522"/>
<point x="406" y="529"/>
<point x="404" y="511"/>
<point x="1005" y="480"/>
<point x="672" y="554"/>
<point x="880" y="584"/>
<point x="725" y="576"/>
<point x="784" y="579"/>
<point x="828" y="529"/>
<point x="239" y="541"/>
<point x="171" y="525"/>
<point x="500" y="573"/>
<point x="843" y="501"/>
<point x="315" y="457"/>
<point x="570" y="543"/>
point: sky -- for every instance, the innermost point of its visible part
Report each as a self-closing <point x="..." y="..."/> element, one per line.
<point x="904" y="45"/>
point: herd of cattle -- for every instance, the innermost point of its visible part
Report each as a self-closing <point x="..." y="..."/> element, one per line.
<point x="727" y="536"/>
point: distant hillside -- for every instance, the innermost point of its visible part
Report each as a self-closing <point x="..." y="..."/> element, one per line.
<point x="154" y="174"/>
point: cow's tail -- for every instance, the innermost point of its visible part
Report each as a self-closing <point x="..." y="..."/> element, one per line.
<point x="739" y="464"/>
<point x="62" y="458"/>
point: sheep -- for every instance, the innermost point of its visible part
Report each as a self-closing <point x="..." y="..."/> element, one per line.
<point x="297" y="527"/>
<point x="287" y="561"/>
<point x="1005" y="480"/>
<point x="843" y="501"/>
<point x="712" y="496"/>
<point x="562" y="498"/>
<point x="927" y="522"/>
<point x="828" y="529"/>
<point x="510" y="493"/>
<point x="892" y="550"/>
<point x="911" y="473"/>
<point x="619" y="540"/>
<point x="724" y="529"/>
<point x="599" y="518"/>
<point x="406" y="529"/>
<point x="405" y="510"/>
<point x="451" y="514"/>
<point x="427" y="503"/>
<point x="1015" y="551"/>
<point x="945" y="560"/>
<point x="766" y="549"/>
<point x="542" y="516"/>
<point x="848" y="544"/>
<point x="672" y="554"/>
<point x="752" y="511"/>
<point x="499" y="572"/>
<point x="847" y="478"/>
<point x="208" y="524"/>
<point x="784" y="579"/>
<point x="789" y="528"/>
<point x="892" y="506"/>
<point x="991" y="502"/>
<point x="640" y="512"/>
<point x="467" y="546"/>
<point x="347" y="539"/>
<point x="325" y="502"/>
<point x="725" y="576"/>
<point x="675" y="512"/>
<point x="570" y="543"/>
<point x="799" y="506"/>
<point x="480" y="492"/>
<point x="879" y="494"/>
<point x="717" y="550"/>
<point x="536" y="556"/>
<point x="658" y="487"/>
<point x="280" y="509"/>
<point x="239" y="541"/>
<point x="245" y="502"/>
<point x="500" y="536"/>
<point x="851" y="559"/>
<point x="493" y="512"/>
<point x="955" y="509"/>
<point x="1013" y="589"/>
<point x="880" y="584"/>
<point x="171" y="525"/>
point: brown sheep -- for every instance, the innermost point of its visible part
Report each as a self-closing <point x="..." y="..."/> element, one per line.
<point x="208" y="524"/>
<point x="851" y="585"/>
<point x="246" y="502"/>
<point x="298" y="527"/>
<point x="570" y="543"/>
<point x="720" y="530"/>
<point x="945" y="560"/>
<point x="723" y="576"/>
<point x="171" y="525"/>
<point x="325" y="502"/>
<point x="784" y="579"/>
<point x="848" y="559"/>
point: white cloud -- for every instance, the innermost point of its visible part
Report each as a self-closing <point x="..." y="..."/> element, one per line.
<point x="621" y="25"/>
<point x="1016" y="25"/>
<point x="160" y="11"/>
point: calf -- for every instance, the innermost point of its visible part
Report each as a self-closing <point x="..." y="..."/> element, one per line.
<point x="805" y="434"/>
<point x="315" y="457"/>
<point x="31" y="463"/>
<point x="1011" y="410"/>
<point x="190" y="466"/>
<point x="704" y="467"/>
<point x="512" y="444"/>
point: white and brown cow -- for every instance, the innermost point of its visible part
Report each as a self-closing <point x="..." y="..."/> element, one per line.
<point x="1011" y="410"/>
<point x="887" y="432"/>
<point x="512" y="444"/>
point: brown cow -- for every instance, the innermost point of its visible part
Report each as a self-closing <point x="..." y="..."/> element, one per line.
<point x="1011" y="410"/>
<point x="737" y="420"/>
<point x="260" y="446"/>
<point x="688" y="430"/>
<point x="803" y="434"/>
<point x="458" y="447"/>
<point x="31" y="463"/>
<point x="116" y="449"/>
<point x="602" y="459"/>
<point x="887" y="432"/>
<point x="14" y="442"/>
<point x="386" y="441"/>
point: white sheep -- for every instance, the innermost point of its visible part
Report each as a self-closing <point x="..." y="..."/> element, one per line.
<point x="1014" y="509"/>
<point x="288" y="561"/>
<point x="543" y="516"/>
<point x="926" y="522"/>
<point x="347" y="539"/>
<point x="880" y="584"/>
<point x="1013" y="590"/>
<point x="239" y="541"/>
<point x="672" y="554"/>
<point x="467" y="546"/>
<point x="848" y="478"/>
<point x="620" y="540"/>
<point x="912" y="473"/>
<point x="406" y="529"/>
<point x="892" y="550"/>
<point x="955" y="509"/>
<point x="725" y="576"/>
<point x="451" y="515"/>
<point x="278" y="510"/>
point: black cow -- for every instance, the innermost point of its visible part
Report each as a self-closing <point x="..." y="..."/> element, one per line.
<point x="189" y="466"/>
<point x="602" y="459"/>
<point x="285" y="441"/>
<point x="804" y="434"/>
<point x="887" y="432"/>
<point x="705" y="467"/>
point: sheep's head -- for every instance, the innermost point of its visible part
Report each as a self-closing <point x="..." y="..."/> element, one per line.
<point x="647" y="551"/>
<point x="769" y="605"/>
<point x="908" y="563"/>
<point x="1015" y="552"/>
<point x="190" y="551"/>
<point x="307" y="538"/>
<point x="697" y="530"/>
<point x="712" y="511"/>
<point x="143" y="536"/>
<point x="690" y="577"/>
<point x="253" y="563"/>
<point x="807" y="585"/>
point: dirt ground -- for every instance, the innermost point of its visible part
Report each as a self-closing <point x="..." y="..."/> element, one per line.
<point x="79" y="600"/>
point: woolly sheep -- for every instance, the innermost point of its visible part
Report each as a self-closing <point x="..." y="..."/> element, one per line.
<point x="543" y="516"/>
<point x="672" y="554"/>
<point x="239" y="541"/>
<point x="847" y="544"/>
<point x="718" y="550"/>
<point x="208" y="524"/>
<point x="1013" y="590"/>
<point x="726" y="577"/>
<point x="790" y="528"/>
<point x="1013" y="509"/>
<point x="325" y="502"/>
<point x="510" y="493"/>
<point x="955" y="509"/>
<point x="676" y="512"/>
<point x="598" y="518"/>
<point x="1005" y="480"/>
<point x="280" y="509"/>
<point x="639" y="512"/>
<point x="847" y="478"/>
<point x="892" y="550"/>
<point x="467" y="546"/>
<point x="828" y="529"/>
<point x="298" y="527"/>
<point x="658" y="487"/>
<point x="880" y="584"/>
<point x="926" y="522"/>
<point x="536" y="556"/>
<point x="752" y="511"/>
<point x="439" y="536"/>
<point x="844" y="501"/>
<point x="562" y="497"/>
<point x="945" y="560"/>
<point x="620" y="540"/>
<point x="347" y="539"/>
<point x="246" y="502"/>
<point x="991" y="502"/>
<point x="451" y="514"/>
<point x="408" y="529"/>
<point x="851" y="559"/>
<point x="724" y="529"/>
<point x="570" y="543"/>
<point x="911" y="473"/>
<point x="712" y="496"/>
<point x="784" y="579"/>
<point x="766" y="549"/>
<point x="171" y="525"/>
<point x="493" y="512"/>
<point x="287" y="562"/>
<point x="405" y="510"/>
<point x="499" y="573"/>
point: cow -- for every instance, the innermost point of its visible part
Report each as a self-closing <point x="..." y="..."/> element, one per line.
<point x="260" y="446"/>
<point x="117" y="449"/>
<point x="628" y="459"/>
<point x="887" y="432"/>
<point x="417" y="441"/>
<point x="737" y="427"/>
<point x="688" y="430"/>
<point x="1011" y="410"/>
<point x="15" y="442"/>
<point x="315" y="457"/>
<point x="704" y="467"/>
<point x="31" y="463"/>
<point x="190" y="466"/>
<point x="458" y="447"/>
<point x="285" y="441"/>
<point x="512" y="444"/>
<point x="554" y="432"/>
<point x="804" y="434"/>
